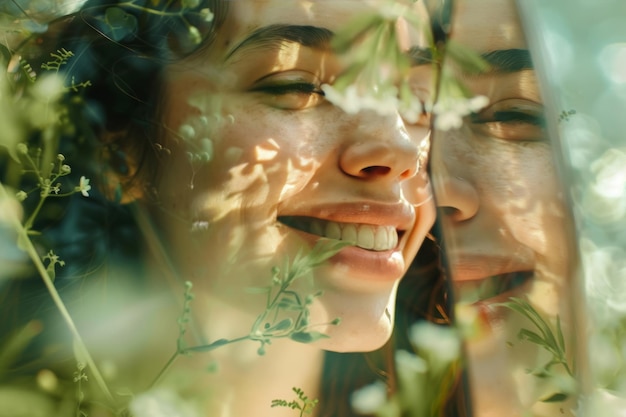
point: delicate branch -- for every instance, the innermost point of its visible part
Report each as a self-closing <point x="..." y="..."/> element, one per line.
<point x="28" y="246"/>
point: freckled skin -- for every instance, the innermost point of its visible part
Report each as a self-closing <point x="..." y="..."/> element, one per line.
<point x="501" y="199"/>
<point x="269" y="160"/>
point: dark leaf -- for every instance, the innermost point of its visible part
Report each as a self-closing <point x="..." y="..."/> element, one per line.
<point x="307" y="337"/>
<point x="555" y="398"/>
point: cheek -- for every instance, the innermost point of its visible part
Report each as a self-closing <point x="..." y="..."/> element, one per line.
<point x="530" y="196"/>
<point x="244" y="157"/>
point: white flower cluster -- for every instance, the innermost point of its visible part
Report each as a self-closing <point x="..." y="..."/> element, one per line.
<point x="449" y="112"/>
<point x="441" y="342"/>
<point x="369" y="399"/>
<point x="353" y="101"/>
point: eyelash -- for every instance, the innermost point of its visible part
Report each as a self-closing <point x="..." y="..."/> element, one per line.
<point x="297" y="88"/>
<point x="510" y="116"/>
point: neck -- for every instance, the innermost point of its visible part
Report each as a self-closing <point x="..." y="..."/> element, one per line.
<point x="244" y="383"/>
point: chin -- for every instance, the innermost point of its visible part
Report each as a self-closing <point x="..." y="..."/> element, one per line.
<point x="366" y="320"/>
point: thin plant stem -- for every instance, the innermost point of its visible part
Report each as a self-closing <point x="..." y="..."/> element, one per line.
<point x="203" y="348"/>
<point x="31" y="219"/>
<point x="34" y="256"/>
<point x="165" y="368"/>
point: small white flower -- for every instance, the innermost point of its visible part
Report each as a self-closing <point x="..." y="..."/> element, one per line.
<point x="353" y="101"/>
<point x="83" y="186"/>
<point x="370" y="398"/>
<point x="477" y="103"/>
<point x="450" y="112"/>
<point x="410" y="363"/>
<point x="161" y="403"/>
<point x="207" y="14"/>
<point x="347" y="100"/>
<point x="194" y="35"/>
<point x="411" y="110"/>
<point x="49" y="87"/>
<point x="440" y="341"/>
<point x="199" y="226"/>
<point x="21" y="195"/>
<point x="448" y="121"/>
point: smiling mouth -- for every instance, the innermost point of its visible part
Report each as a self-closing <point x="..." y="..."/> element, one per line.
<point x="491" y="287"/>
<point x="365" y="236"/>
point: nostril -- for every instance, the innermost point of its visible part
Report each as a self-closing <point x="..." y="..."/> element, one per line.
<point x="375" y="171"/>
<point x="407" y="174"/>
<point x="448" y="211"/>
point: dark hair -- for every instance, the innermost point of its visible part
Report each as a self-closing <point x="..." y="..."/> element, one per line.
<point x="115" y="124"/>
<point x="423" y="294"/>
<point x="121" y="49"/>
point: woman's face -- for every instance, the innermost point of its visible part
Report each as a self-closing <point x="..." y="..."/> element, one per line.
<point x="257" y="167"/>
<point x="504" y="223"/>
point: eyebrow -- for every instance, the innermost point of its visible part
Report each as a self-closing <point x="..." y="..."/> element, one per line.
<point x="500" y="61"/>
<point x="273" y="35"/>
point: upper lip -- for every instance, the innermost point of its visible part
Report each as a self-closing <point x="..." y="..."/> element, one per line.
<point x="399" y="215"/>
<point x="471" y="268"/>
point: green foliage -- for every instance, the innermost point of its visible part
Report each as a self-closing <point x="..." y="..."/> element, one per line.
<point x="79" y="377"/>
<point x="303" y="403"/>
<point x="565" y="115"/>
<point x="37" y="117"/>
<point x="425" y="376"/>
<point x="548" y="338"/>
<point x="120" y="23"/>
<point x="281" y="300"/>
<point x="59" y="58"/>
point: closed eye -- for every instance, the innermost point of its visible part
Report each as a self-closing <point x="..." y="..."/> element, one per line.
<point x="298" y="88"/>
<point x="296" y="95"/>
<point x="512" y="119"/>
<point x="510" y="116"/>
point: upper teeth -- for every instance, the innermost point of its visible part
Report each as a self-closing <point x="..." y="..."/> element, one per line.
<point x="366" y="236"/>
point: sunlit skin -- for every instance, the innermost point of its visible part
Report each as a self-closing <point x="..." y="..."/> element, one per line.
<point x="505" y="227"/>
<point x="279" y="152"/>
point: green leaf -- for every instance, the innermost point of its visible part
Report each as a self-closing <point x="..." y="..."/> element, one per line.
<point x="358" y="27"/>
<point x="524" y="308"/>
<point x="209" y="347"/>
<point x="282" y="325"/>
<point x="258" y="290"/>
<point x="120" y="23"/>
<point x="15" y="343"/>
<point x="325" y="249"/>
<point x="307" y="337"/>
<point x="190" y="4"/>
<point x="541" y="324"/>
<point x="288" y="304"/>
<point x="531" y="336"/>
<point x="559" y="333"/>
<point x="555" y="398"/>
<point x="468" y="60"/>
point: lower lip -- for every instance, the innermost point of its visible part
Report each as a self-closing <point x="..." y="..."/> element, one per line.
<point x="362" y="264"/>
<point x="491" y="314"/>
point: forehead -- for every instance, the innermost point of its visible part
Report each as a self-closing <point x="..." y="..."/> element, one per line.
<point x="246" y="16"/>
<point x="486" y="25"/>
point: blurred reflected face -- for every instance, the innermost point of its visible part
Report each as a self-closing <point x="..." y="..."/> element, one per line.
<point x="502" y="209"/>
<point x="495" y="177"/>
<point x="261" y="166"/>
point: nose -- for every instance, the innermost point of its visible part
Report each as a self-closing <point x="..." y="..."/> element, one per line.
<point x="380" y="148"/>
<point x="456" y="197"/>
